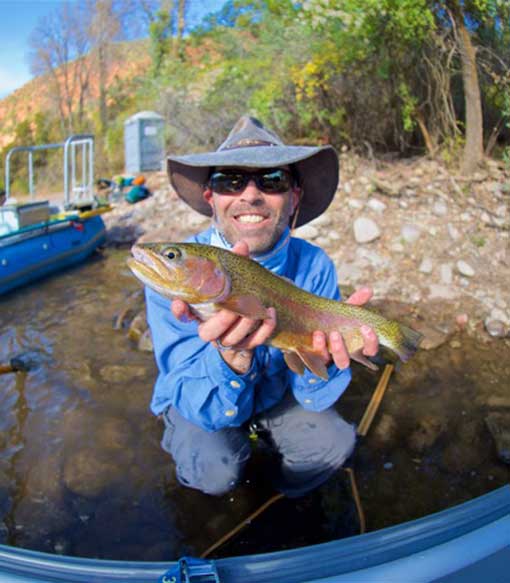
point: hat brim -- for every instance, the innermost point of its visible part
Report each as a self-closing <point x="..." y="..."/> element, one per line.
<point x="317" y="168"/>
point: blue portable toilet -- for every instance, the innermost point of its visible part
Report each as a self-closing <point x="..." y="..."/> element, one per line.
<point x="144" y="144"/>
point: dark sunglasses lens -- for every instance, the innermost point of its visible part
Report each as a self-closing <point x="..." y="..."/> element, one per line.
<point x="220" y="182"/>
<point x="277" y="181"/>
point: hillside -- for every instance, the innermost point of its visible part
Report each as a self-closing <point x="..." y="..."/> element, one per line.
<point x="128" y="60"/>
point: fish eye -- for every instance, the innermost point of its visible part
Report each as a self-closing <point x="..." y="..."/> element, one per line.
<point x="171" y="253"/>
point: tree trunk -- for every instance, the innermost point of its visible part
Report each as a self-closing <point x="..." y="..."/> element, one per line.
<point x="102" y="71"/>
<point x="473" y="149"/>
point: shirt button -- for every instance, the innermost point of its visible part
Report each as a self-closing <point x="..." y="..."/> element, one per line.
<point x="230" y="412"/>
<point x="253" y="376"/>
<point x="312" y="381"/>
<point x="235" y="384"/>
<point x="308" y="401"/>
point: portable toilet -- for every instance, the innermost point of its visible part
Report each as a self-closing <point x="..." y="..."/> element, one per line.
<point x="144" y="144"/>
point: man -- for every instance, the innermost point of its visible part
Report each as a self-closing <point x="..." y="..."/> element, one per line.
<point x="216" y="377"/>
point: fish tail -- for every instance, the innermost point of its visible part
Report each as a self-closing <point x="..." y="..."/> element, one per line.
<point x="408" y="343"/>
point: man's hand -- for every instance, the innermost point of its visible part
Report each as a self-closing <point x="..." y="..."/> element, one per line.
<point x="238" y="334"/>
<point x="337" y="351"/>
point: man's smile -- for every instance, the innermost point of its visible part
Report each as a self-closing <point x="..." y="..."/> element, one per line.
<point x="249" y="218"/>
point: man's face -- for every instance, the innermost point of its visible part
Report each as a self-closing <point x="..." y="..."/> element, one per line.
<point x="252" y="215"/>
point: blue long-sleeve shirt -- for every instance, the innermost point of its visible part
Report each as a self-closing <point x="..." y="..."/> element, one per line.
<point x="195" y="379"/>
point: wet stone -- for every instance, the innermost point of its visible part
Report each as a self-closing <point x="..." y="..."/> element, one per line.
<point x="89" y="472"/>
<point x="426" y="434"/>
<point x="385" y="430"/>
<point x="432" y="337"/>
<point x="495" y="328"/>
<point x="499" y="426"/>
<point x="113" y="373"/>
<point x="114" y="434"/>
<point x="145" y="343"/>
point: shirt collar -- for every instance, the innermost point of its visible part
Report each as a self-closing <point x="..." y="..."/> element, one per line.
<point x="275" y="260"/>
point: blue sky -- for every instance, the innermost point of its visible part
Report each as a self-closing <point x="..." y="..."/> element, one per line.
<point x="19" y="17"/>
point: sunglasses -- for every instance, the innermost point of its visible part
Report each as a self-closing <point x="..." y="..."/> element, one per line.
<point x="272" y="181"/>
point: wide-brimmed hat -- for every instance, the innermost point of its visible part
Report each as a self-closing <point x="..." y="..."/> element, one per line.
<point x="251" y="145"/>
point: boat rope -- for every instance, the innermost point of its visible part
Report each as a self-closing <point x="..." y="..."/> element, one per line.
<point x="241" y="525"/>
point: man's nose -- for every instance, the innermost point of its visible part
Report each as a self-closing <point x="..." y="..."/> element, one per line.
<point x="251" y="192"/>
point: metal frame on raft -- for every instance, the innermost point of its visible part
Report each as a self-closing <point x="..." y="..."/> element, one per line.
<point x="74" y="191"/>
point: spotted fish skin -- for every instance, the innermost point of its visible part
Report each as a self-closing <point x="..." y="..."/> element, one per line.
<point x="210" y="279"/>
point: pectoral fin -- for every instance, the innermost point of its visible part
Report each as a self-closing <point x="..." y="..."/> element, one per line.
<point x="248" y="306"/>
<point x="314" y="363"/>
<point x="294" y="362"/>
<point x="358" y="356"/>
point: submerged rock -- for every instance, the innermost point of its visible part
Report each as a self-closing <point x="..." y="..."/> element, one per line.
<point x="499" y="426"/>
<point x="495" y="328"/>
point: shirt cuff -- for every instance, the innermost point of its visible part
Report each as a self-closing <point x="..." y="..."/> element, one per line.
<point x="316" y="394"/>
<point x="230" y="383"/>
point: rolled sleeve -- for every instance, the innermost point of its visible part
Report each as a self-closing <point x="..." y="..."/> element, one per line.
<point x="193" y="377"/>
<point x="316" y="394"/>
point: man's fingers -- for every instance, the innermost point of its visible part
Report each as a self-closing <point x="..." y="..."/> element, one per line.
<point x="320" y="345"/>
<point x="216" y="326"/>
<point x="261" y="334"/>
<point x="238" y="331"/>
<point x="338" y="350"/>
<point x="370" y="341"/>
<point x="360" y="296"/>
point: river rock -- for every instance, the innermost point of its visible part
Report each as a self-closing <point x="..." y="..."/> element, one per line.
<point x="112" y="373"/>
<point x="366" y="230"/>
<point x="432" y="337"/>
<point x="446" y="273"/>
<point x="376" y="205"/>
<point x="465" y="269"/>
<point x="499" y="426"/>
<point x="453" y="232"/>
<point x="441" y="292"/>
<point x="426" y="265"/>
<point x="145" y="343"/>
<point x="321" y="221"/>
<point x="138" y="326"/>
<point x="307" y="232"/>
<point x="440" y="209"/>
<point x="88" y="472"/>
<point x="495" y="328"/>
<point x="410" y="233"/>
<point x="426" y="434"/>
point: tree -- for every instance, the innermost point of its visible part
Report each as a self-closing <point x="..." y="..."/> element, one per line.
<point x="58" y="45"/>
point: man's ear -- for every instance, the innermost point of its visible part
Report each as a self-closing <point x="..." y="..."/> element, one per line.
<point x="208" y="196"/>
<point x="296" y="197"/>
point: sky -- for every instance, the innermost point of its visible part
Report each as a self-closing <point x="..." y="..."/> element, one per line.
<point x="19" y="17"/>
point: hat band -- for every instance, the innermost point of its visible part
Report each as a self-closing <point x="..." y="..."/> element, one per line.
<point x="248" y="144"/>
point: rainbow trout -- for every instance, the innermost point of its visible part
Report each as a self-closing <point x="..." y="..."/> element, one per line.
<point x="209" y="279"/>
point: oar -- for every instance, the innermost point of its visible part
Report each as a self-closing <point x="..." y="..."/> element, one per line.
<point x="20" y="363"/>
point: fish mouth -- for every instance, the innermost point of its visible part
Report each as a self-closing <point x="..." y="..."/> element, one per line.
<point x="149" y="268"/>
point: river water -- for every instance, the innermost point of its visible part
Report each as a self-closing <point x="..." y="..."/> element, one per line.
<point x="82" y="472"/>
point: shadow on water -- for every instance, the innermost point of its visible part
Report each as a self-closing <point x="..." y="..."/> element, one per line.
<point x="82" y="472"/>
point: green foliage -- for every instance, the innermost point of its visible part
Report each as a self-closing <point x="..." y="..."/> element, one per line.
<point x="383" y="73"/>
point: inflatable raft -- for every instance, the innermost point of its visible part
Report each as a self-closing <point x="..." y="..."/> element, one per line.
<point x="30" y="252"/>
<point x="468" y="543"/>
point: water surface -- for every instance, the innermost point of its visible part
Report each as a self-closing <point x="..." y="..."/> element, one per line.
<point x="82" y="472"/>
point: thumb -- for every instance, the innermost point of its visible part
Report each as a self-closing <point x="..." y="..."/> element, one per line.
<point x="360" y="296"/>
<point x="241" y="248"/>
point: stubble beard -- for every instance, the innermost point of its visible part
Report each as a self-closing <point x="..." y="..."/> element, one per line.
<point x="260" y="241"/>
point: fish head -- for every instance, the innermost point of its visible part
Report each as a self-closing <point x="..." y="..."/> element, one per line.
<point x="179" y="271"/>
